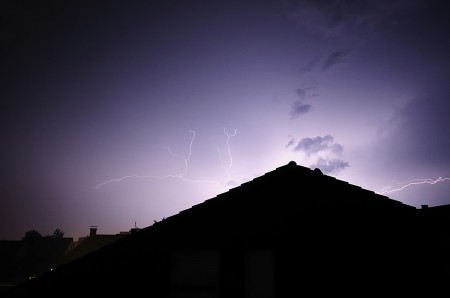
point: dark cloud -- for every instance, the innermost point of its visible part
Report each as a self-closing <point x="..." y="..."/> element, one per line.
<point x="348" y="23"/>
<point x="299" y="108"/>
<point x="334" y="58"/>
<point x="310" y="65"/>
<point x="419" y="130"/>
<point x="290" y="143"/>
<point x="303" y="92"/>
<point x="351" y="19"/>
<point x="318" y="144"/>
<point x="330" y="166"/>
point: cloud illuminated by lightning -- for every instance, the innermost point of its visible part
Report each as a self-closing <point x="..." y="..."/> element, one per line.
<point x="403" y="185"/>
<point x="181" y="176"/>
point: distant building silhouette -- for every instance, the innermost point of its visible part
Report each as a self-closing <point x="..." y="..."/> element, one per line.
<point x="291" y="232"/>
<point x="93" y="242"/>
<point x="21" y="260"/>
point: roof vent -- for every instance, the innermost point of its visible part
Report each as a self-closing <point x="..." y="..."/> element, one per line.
<point x="318" y="171"/>
<point x="292" y="164"/>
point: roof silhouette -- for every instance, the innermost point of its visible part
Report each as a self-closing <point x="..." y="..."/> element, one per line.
<point x="90" y="243"/>
<point x="302" y="231"/>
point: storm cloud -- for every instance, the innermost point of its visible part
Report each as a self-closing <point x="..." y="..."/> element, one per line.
<point x="299" y="107"/>
<point x="419" y="129"/>
<point x="334" y="58"/>
<point x="330" y="166"/>
<point x="324" y="150"/>
<point x="317" y="145"/>
<point x="290" y="143"/>
<point x="350" y="19"/>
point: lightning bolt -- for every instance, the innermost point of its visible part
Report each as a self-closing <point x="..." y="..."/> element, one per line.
<point x="186" y="159"/>
<point x="229" y="136"/>
<point x="403" y="185"/>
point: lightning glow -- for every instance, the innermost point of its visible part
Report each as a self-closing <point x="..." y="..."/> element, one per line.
<point x="403" y="185"/>
<point x="186" y="159"/>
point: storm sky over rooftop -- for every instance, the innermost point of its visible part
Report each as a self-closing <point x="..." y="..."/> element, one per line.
<point x="116" y="112"/>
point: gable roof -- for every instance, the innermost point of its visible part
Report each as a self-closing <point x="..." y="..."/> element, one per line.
<point x="296" y="186"/>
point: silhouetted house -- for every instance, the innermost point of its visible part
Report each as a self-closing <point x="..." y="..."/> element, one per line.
<point x="291" y="232"/>
<point x="92" y="242"/>
<point x="21" y="260"/>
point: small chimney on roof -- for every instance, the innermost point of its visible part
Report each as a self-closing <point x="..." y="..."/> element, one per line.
<point x="92" y="231"/>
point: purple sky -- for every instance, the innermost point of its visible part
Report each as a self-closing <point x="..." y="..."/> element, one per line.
<point x="185" y="99"/>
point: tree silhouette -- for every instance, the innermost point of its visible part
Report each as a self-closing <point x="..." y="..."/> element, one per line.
<point x="32" y="235"/>
<point x="57" y="233"/>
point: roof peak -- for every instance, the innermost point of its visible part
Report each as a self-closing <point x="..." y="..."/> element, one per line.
<point x="292" y="163"/>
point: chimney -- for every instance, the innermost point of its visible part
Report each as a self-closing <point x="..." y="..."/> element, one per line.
<point x="92" y="231"/>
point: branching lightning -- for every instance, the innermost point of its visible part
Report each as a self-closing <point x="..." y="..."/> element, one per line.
<point x="186" y="159"/>
<point x="227" y="168"/>
<point x="403" y="185"/>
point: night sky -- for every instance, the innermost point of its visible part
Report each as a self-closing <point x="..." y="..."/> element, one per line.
<point x="116" y="113"/>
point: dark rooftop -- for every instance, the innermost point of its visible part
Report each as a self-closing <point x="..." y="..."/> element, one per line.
<point x="304" y="218"/>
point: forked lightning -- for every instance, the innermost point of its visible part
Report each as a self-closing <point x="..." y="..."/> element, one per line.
<point x="182" y="176"/>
